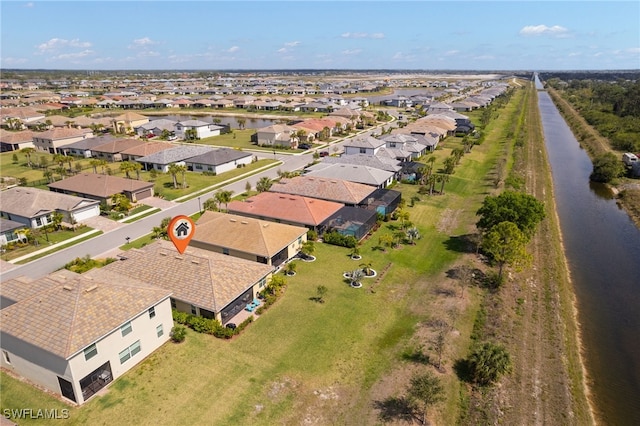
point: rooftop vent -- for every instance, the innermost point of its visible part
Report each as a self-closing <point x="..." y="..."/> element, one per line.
<point x="67" y="287"/>
<point x="89" y="289"/>
<point x="178" y="257"/>
<point x="244" y="222"/>
<point x="197" y="262"/>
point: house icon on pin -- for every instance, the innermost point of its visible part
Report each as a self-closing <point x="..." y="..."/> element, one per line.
<point x="182" y="230"/>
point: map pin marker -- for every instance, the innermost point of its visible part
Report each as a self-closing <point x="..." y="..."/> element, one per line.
<point x="181" y="229"/>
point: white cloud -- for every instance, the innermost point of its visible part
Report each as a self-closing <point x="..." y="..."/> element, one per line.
<point x="351" y="51"/>
<point x="70" y="56"/>
<point x="451" y="52"/>
<point x="362" y="35"/>
<point x="543" y="30"/>
<point x="400" y="56"/>
<point x="142" y="43"/>
<point x="282" y="50"/>
<point x="57" y="44"/>
<point x="6" y="62"/>
<point x="233" y="49"/>
<point x="29" y="5"/>
<point x="292" y="44"/>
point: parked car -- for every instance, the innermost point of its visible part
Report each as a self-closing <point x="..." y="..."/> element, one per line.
<point x="324" y="153"/>
<point x="304" y="146"/>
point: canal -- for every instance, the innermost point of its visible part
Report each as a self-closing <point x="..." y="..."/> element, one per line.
<point x="602" y="246"/>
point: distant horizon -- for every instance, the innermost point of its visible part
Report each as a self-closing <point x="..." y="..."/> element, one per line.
<point x="269" y="35"/>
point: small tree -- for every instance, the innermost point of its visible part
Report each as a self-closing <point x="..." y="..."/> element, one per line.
<point x="505" y="243"/>
<point x="308" y="248"/>
<point x="412" y="235"/>
<point x="290" y="269"/>
<point x="321" y="291"/>
<point x="263" y="184"/>
<point x="424" y="391"/>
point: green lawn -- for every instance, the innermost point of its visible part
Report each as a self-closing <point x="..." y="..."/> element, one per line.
<point x="303" y="360"/>
<point x="44" y="240"/>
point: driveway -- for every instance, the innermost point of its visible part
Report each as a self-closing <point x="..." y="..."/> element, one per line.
<point x="102" y="223"/>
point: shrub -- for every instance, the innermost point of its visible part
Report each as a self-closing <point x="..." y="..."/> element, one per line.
<point x="178" y="333"/>
<point x="312" y="235"/>
<point x="337" y="239"/>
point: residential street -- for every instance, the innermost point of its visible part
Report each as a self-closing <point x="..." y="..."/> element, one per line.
<point x="111" y="240"/>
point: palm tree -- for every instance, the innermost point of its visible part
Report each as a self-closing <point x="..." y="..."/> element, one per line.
<point x="356" y="276"/>
<point x="60" y="159"/>
<point x="241" y="122"/>
<point x="308" y="248"/>
<point x="223" y="197"/>
<point x="27" y="152"/>
<point x="173" y="170"/>
<point x="95" y="163"/>
<point x="48" y="175"/>
<point x="263" y="184"/>
<point x="61" y="171"/>
<point x="136" y="167"/>
<point x="366" y="268"/>
<point x="488" y="362"/>
<point x="126" y="167"/>
<point x="211" y="205"/>
<point x="443" y="179"/>
<point x="290" y="269"/>
<point x="413" y="234"/>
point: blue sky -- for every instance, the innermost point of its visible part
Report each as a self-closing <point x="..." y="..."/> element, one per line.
<point x="224" y="35"/>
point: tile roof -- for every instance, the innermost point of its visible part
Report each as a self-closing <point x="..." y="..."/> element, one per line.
<point x="61" y="133"/>
<point x="383" y="163"/>
<point x="147" y="148"/>
<point x="63" y="313"/>
<point x="259" y="237"/>
<point x="175" y="154"/>
<point x="7" y="225"/>
<point x="99" y="185"/>
<point x="291" y="208"/>
<point x="341" y="191"/>
<point x="16" y="137"/>
<point x="32" y="202"/>
<point x="365" y="142"/>
<point x="131" y="116"/>
<point x="88" y="143"/>
<point x="118" y="145"/>
<point x="350" y="172"/>
<point x="200" y="277"/>
<point x="219" y="156"/>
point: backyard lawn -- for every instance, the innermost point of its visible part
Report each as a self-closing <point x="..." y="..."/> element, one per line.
<point x="318" y="363"/>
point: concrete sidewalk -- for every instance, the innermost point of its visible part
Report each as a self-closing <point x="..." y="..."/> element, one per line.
<point x="53" y="247"/>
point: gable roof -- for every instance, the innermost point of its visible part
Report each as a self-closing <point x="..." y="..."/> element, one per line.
<point x="32" y="202"/>
<point x="89" y="143"/>
<point x="375" y="161"/>
<point x="99" y="185"/>
<point x="199" y="277"/>
<point x="338" y="190"/>
<point x="365" y="142"/>
<point x="248" y="235"/>
<point x="63" y="313"/>
<point x="291" y="208"/>
<point x="61" y="133"/>
<point x="131" y="116"/>
<point x="16" y="137"/>
<point x="219" y="156"/>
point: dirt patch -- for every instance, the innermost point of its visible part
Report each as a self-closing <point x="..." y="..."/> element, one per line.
<point x="448" y="221"/>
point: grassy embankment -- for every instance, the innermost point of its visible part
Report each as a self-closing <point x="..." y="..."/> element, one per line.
<point x="330" y="363"/>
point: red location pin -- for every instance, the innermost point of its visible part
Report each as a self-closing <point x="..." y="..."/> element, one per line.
<point x="181" y="229"/>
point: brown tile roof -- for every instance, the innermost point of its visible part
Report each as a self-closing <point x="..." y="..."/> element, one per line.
<point x="131" y="116"/>
<point x="147" y="148"/>
<point x="291" y="208"/>
<point x="117" y="145"/>
<point x="16" y="137"/>
<point x="32" y="202"/>
<point x="341" y="191"/>
<point x="259" y="237"/>
<point x="99" y="185"/>
<point x="61" y="133"/>
<point x="66" y="312"/>
<point x="200" y="277"/>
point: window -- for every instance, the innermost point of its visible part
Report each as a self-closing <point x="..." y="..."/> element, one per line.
<point x="193" y="310"/>
<point x="38" y="221"/>
<point x="263" y="281"/>
<point x="363" y="150"/>
<point x="152" y="312"/>
<point x="159" y="330"/>
<point x="90" y="352"/>
<point x="129" y="352"/>
<point x="6" y="357"/>
<point x="126" y="329"/>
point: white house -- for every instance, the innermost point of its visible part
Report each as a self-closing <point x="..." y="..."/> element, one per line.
<point x="202" y="129"/>
<point x="73" y="335"/>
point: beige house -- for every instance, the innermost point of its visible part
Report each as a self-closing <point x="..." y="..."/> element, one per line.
<point x="203" y="283"/>
<point x="73" y="334"/>
<point x="277" y="135"/>
<point x="128" y="122"/>
<point x="248" y="238"/>
<point x="51" y="140"/>
<point x="103" y="187"/>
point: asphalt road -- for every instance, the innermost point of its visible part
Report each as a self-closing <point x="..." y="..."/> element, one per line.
<point x="117" y="237"/>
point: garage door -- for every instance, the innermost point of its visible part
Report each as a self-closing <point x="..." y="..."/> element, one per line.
<point x="143" y="194"/>
<point x="83" y="214"/>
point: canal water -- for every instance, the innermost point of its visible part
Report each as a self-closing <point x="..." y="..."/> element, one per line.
<point x="602" y="246"/>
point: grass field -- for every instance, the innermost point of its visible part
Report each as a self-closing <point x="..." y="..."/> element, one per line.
<point x="318" y="363"/>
